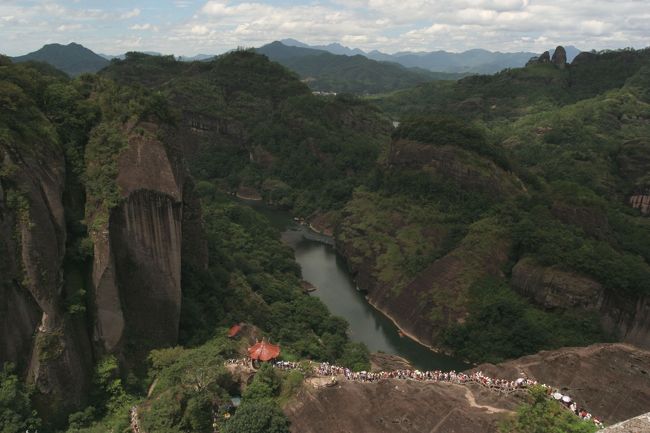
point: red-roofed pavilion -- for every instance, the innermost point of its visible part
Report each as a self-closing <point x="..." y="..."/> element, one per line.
<point x="263" y="351"/>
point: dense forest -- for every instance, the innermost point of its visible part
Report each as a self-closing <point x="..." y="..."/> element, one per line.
<point x="454" y="223"/>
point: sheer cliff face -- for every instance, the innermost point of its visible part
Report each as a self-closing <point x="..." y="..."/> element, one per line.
<point x="137" y="261"/>
<point x="38" y="334"/>
<point x="134" y="296"/>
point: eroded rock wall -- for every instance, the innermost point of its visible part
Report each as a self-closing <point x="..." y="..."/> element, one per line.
<point x="137" y="264"/>
<point x="626" y="319"/>
<point x="38" y="328"/>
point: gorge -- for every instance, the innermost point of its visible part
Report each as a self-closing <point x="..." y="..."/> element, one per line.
<point x="501" y="221"/>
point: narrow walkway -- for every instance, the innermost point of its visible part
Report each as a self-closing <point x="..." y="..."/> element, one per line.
<point x="501" y="386"/>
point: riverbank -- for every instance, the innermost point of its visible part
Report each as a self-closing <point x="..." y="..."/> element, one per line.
<point x="407" y="334"/>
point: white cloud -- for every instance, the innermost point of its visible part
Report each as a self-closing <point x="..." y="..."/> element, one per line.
<point x="130" y="14"/>
<point x="146" y="26"/>
<point x="69" y="27"/>
<point x="213" y="26"/>
<point x="199" y="30"/>
<point x="183" y="3"/>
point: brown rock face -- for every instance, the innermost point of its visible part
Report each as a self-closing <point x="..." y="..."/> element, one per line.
<point x="137" y="268"/>
<point x="393" y="406"/>
<point x="627" y="319"/>
<point x="611" y="380"/>
<point x="641" y="202"/>
<point x="550" y="287"/>
<point x="559" y="57"/>
<point x="19" y="312"/>
<point x="544" y="58"/>
<point x="554" y="288"/>
<point x="34" y="232"/>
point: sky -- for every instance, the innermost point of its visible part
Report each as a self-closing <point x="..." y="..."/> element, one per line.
<point x="189" y="27"/>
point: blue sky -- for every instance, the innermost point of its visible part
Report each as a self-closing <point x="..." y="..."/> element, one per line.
<point x="188" y="27"/>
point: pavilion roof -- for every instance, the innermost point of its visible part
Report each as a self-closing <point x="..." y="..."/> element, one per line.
<point x="263" y="351"/>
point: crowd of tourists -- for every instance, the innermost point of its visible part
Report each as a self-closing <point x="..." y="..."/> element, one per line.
<point x="325" y="369"/>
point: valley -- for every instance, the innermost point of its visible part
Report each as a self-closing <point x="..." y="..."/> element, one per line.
<point x="502" y="223"/>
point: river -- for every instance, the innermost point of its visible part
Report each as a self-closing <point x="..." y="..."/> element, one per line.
<point x="325" y="269"/>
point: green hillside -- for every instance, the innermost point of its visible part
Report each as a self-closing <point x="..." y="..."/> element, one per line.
<point x="357" y="74"/>
<point x="73" y="59"/>
<point x="544" y="157"/>
<point x="264" y="129"/>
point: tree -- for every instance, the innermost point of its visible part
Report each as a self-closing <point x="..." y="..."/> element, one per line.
<point x="258" y="417"/>
<point x="16" y="413"/>
<point x="542" y="415"/>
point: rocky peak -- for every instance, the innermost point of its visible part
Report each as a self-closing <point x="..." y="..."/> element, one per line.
<point x="559" y="57"/>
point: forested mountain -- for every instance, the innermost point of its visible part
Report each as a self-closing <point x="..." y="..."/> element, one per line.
<point x="73" y="59"/>
<point x="357" y="74"/>
<point x="528" y="182"/>
<point x="476" y="61"/>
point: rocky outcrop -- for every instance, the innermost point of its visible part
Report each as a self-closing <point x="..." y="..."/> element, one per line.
<point x="641" y="201"/>
<point x="137" y="260"/>
<point x="19" y="312"/>
<point x="583" y="57"/>
<point x="554" y="288"/>
<point x="135" y="294"/>
<point x="392" y="406"/>
<point x="544" y="58"/>
<point x="559" y="57"/>
<point x="627" y="319"/>
<point x="40" y="335"/>
<point x="611" y="380"/>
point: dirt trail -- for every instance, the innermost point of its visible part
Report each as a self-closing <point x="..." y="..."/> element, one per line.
<point x="491" y="409"/>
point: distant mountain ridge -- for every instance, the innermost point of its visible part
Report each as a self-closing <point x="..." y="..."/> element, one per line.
<point x="73" y="59"/>
<point x="477" y="61"/>
<point x="326" y="71"/>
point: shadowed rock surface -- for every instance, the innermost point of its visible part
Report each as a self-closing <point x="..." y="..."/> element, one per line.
<point x="612" y="381"/>
<point x="392" y="406"/>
